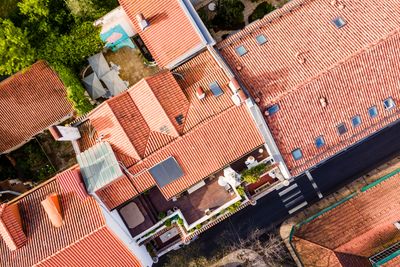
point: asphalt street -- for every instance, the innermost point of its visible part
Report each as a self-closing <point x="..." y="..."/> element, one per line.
<point x="275" y="207"/>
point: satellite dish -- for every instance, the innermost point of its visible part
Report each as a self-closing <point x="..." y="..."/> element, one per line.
<point x="222" y="182"/>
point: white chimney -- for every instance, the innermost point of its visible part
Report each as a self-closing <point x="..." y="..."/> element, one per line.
<point x="143" y="23"/>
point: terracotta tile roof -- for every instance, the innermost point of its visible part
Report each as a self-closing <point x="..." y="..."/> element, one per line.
<point x="303" y="29"/>
<point x="82" y="237"/>
<point x="201" y="71"/>
<point x="203" y="151"/>
<point x="30" y="102"/>
<point x="393" y="263"/>
<point x="168" y="25"/>
<point x="349" y="88"/>
<point x="361" y="226"/>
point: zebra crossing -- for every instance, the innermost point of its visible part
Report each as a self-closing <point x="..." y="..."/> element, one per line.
<point x="292" y="198"/>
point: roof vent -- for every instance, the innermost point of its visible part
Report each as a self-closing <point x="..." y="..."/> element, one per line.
<point x="143" y="23"/>
<point x="11" y="226"/>
<point x="61" y="133"/>
<point x="323" y="102"/>
<point x="234" y="85"/>
<point x="53" y="209"/>
<point x="242" y="95"/>
<point x="300" y="58"/>
<point x="200" y="93"/>
<point x="238" y="67"/>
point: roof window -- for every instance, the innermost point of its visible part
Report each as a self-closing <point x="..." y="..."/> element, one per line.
<point x="356" y="120"/>
<point x="373" y="112"/>
<point x="339" y="22"/>
<point x="273" y="109"/>
<point x="261" y="39"/>
<point x="179" y="119"/>
<point x="241" y="50"/>
<point x="319" y="141"/>
<point x="297" y="154"/>
<point x="342" y="129"/>
<point x="389" y="103"/>
<point x="216" y="89"/>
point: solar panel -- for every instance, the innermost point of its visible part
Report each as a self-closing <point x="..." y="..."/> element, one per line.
<point x="166" y="171"/>
<point x="216" y="89"/>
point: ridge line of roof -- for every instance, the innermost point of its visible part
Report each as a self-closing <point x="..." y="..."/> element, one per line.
<point x="288" y="8"/>
<point x="194" y="129"/>
<point x="336" y="65"/>
<point x="72" y="244"/>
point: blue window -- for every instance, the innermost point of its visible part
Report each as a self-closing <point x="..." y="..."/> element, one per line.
<point x="356" y="120"/>
<point x="339" y="22"/>
<point x="273" y="109"/>
<point x="261" y="39"/>
<point x="373" y="112"/>
<point x="342" y="129"/>
<point x="216" y="89"/>
<point x="389" y="103"/>
<point x="319" y="141"/>
<point x="241" y="50"/>
<point x="297" y="154"/>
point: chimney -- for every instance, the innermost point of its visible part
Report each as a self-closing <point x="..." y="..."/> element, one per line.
<point x="11" y="226"/>
<point x="234" y="85"/>
<point x="323" y="102"/>
<point x="53" y="209"/>
<point x="62" y="133"/>
<point x="200" y="93"/>
<point x="242" y="95"/>
<point x="143" y="23"/>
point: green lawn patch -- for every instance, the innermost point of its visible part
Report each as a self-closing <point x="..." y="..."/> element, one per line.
<point x="260" y="11"/>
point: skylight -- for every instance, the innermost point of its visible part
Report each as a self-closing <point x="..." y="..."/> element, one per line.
<point x="319" y="141"/>
<point x="297" y="154"/>
<point x="241" y="50"/>
<point x="341" y="128"/>
<point x="373" y="112"/>
<point x="356" y="120"/>
<point x="273" y="109"/>
<point x="216" y="89"/>
<point x="389" y="103"/>
<point x="339" y="22"/>
<point x="261" y="39"/>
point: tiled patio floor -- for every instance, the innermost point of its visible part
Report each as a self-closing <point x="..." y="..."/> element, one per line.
<point x="193" y="206"/>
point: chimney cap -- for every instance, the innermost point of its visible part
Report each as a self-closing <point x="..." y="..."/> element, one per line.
<point x="51" y="205"/>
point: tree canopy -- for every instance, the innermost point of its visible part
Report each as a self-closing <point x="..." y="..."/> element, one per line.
<point x="15" y="51"/>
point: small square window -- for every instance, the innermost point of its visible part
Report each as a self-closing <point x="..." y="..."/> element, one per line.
<point x="216" y="89"/>
<point x="339" y="22"/>
<point x="389" y="103"/>
<point x="261" y="39"/>
<point x="273" y="109"/>
<point x="373" y="112"/>
<point x="241" y="50"/>
<point x="319" y="141"/>
<point x="356" y="120"/>
<point x="341" y="128"/>
<point x="297" y="154"/>
<point x="179" y="119"/>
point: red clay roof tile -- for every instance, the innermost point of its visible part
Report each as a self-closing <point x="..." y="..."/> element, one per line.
<point x="83" y="236"/>
<point x="170" y="34"/>
<point x="30" y="102"/>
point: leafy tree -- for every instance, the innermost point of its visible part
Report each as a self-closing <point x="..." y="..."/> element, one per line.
<point x="84" y="9"/>
<point x="229" y="15"/>
<point x="15" y="50"/>
<point x="75" y="91"/>
<point x="74" y="48"/>
<point x="260" y="11"/>
<point x="35" y="10"/>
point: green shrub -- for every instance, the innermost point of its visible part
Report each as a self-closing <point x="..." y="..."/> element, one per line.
<point x="260" y="11"/>
<point x="180" y="221"/>
<point x="168" y="222"/>
<point x="234" y="207"/>
<point x="162" y="215"/>
<point x="199" y="226"/>
<point x="241" y="191"/>
<point x="252" y="175"/>
<point x="75" y="91"/>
